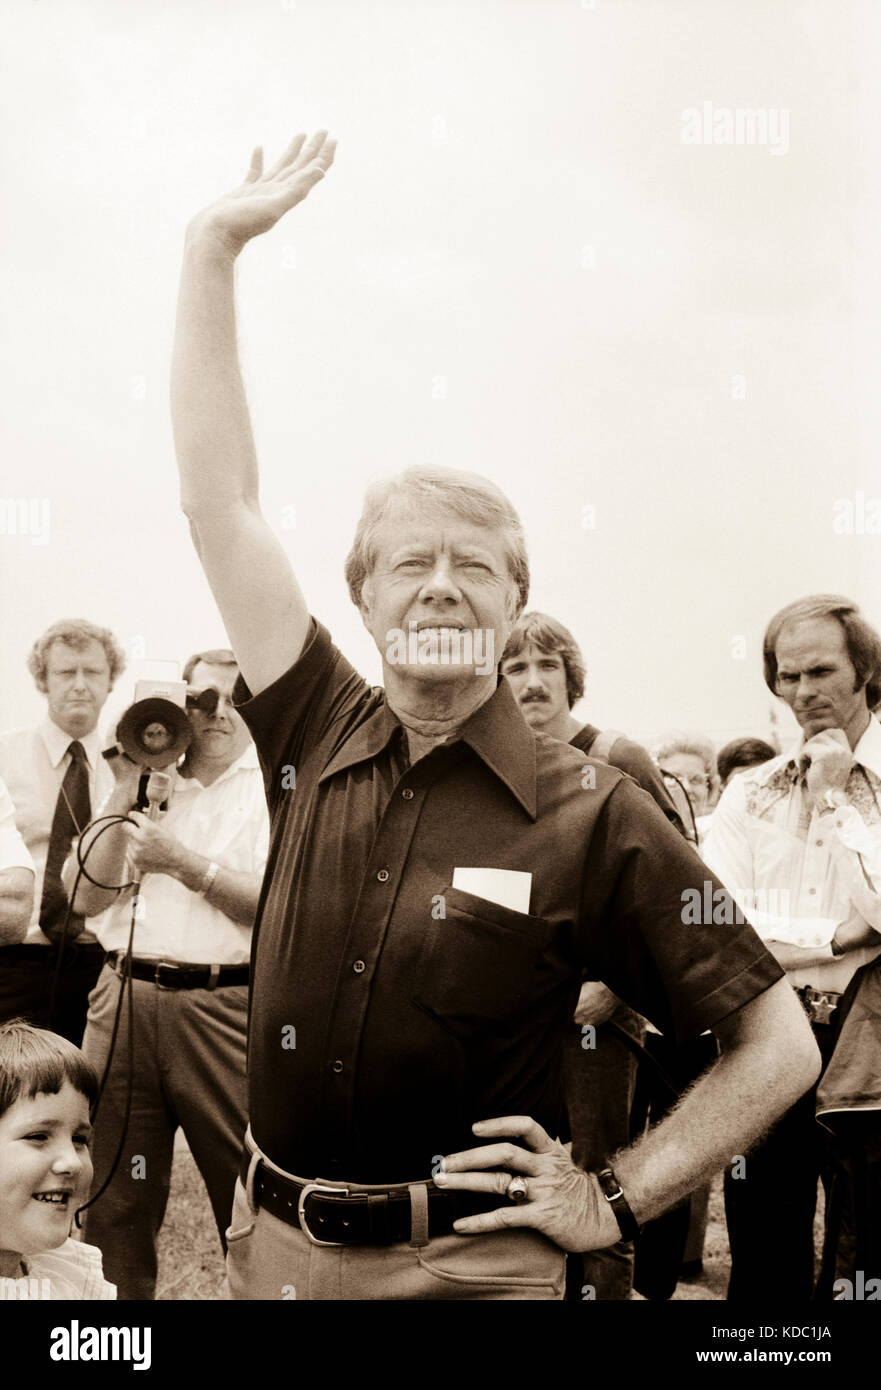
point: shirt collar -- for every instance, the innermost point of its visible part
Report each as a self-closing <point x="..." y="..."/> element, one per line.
<point x="57" y="742"/>
<point x="245" y="762"/>
<point x="497" y="733"/>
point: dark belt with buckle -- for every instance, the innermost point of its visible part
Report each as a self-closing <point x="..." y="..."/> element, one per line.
<point x="170" y="974"/>
<point x="819" y="1004"/>
<point x="333" y="1216"/>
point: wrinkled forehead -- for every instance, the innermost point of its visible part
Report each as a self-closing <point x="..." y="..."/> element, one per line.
<point x="436" y="529"/>
<point x="810" y="642"/>
<point x="63" y="654"/>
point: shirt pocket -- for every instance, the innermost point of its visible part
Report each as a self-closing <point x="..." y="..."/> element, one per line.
<point x="482" y="965"/>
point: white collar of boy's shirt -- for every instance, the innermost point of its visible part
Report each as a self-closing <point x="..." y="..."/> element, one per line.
<point x="867" y="751"/>
<point x="57" y="742"/>
<point x="245" y="762"/>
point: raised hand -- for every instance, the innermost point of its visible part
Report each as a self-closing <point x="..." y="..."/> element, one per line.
<point x="257" y="204"/>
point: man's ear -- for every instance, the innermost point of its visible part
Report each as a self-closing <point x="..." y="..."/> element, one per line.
<point x="365" y="602"/>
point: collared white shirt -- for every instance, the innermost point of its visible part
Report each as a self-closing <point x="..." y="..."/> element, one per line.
<point x="13" y="850"/>
<point x="227" y="822"/>
<point x="796" y="873"/>
<point x="33" y="762"/>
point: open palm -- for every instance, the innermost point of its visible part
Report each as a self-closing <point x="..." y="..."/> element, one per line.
<point x="264" y="198"/>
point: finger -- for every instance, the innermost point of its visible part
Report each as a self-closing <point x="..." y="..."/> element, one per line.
<point x="497" y="1220"/>
<point x="139" y="819"/>
<point x="288" y="157"/>
<point x="516" y="1127"/>
<point x="255" y="168"/>
<point x="325" y="158"/>
<point x="311" y="149"/>
<point x="493" y="1156"/>
<point x="496" y="1183"/>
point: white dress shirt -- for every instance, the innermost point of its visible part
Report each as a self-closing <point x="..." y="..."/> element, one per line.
<point x="13" y="850"/>
<point x="33" y="762"/>
<point x="227" y="822"/>
<point x="797" y="873"/>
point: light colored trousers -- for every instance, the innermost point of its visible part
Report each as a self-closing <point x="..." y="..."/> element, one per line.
<point x="189" y="1070"/>
<point x="268" y="1259"/>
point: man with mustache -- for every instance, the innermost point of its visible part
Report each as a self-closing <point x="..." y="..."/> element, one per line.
<point x="438" y="880"/>
<point x="200" y="866"/>
<point x="797" y="841"/>
<point x="543" y="663"/>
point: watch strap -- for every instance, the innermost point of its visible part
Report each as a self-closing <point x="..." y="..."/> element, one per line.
<point x="614" y="1195"/>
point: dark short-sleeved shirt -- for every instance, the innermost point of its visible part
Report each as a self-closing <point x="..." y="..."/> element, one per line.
<point x="633" y="759"/>
<point x="391" y="1010"/>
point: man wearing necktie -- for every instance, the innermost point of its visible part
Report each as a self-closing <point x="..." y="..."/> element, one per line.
<point x="56" y="775"/>
<point x="797" y="842"/>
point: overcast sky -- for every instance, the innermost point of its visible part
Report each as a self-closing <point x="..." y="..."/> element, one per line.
<point x="666" y="352"/>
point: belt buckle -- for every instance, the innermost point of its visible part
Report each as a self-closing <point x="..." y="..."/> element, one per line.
<point x="301" y="1209"/>
<point x="820" y="1004"/>
<point x="164" y="965"/>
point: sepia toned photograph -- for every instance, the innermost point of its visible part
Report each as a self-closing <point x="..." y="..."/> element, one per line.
<point x="440" y="568"/>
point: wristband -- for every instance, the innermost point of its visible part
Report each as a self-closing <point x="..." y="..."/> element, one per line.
<point x="210" y="875"/>
<point x="614" y="1195"/>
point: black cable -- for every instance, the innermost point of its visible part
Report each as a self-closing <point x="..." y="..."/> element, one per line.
<point x="125" y="987"/>
<point x="82" y="871"/>
<point x="682" y="787"/>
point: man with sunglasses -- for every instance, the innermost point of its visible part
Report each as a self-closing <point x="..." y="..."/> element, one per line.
<point x="201" y="866"/>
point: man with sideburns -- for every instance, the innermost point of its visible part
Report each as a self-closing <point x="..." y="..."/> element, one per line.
<point x="438" y="880"/>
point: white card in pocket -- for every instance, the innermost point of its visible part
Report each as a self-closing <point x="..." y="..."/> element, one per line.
<point x="505" y="887"/>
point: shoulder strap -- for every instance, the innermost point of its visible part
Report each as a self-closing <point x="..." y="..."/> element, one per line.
<point x="604" y="743"/>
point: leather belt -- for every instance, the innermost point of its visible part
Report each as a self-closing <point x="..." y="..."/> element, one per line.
<point x="171" y="974"/>
<point x="332" y="1216"/>
<point x="818" y="1004"/>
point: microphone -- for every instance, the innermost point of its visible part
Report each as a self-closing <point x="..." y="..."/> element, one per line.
<point x="158" y="787"/>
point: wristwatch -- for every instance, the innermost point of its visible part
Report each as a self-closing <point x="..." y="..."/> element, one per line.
<point x="614" y="1195"/>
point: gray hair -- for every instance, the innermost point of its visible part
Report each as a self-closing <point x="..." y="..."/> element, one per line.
<point x="698" y="747"/>
<point x="417" y="489"/>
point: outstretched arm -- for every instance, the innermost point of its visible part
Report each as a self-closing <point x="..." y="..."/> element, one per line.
<point x="259" y="598"/>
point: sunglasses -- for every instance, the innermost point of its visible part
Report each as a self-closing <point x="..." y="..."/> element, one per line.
<point x="205" y="701"/>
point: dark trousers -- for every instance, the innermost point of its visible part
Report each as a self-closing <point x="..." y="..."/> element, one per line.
<point x="189" y="1071"/>
<point x="26" y="975"/>
<point x="770" y="1208"/>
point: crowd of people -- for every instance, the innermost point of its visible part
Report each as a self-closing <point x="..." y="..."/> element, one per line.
<point x="511" y="989"/>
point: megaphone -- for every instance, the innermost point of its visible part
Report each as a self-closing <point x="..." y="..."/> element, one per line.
<point x="155" y="730"/>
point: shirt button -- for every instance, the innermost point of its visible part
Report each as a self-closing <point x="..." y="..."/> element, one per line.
<point x="337" y="1066"/>
<point x="383" y="875"/>
<point x="359" y="967"/>
<point x="819" y="844"/>
<point x="407" y="794"/>
<point x="812" y="890"/>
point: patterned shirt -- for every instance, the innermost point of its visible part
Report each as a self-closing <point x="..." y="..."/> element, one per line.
<point x="797" y="873"/>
